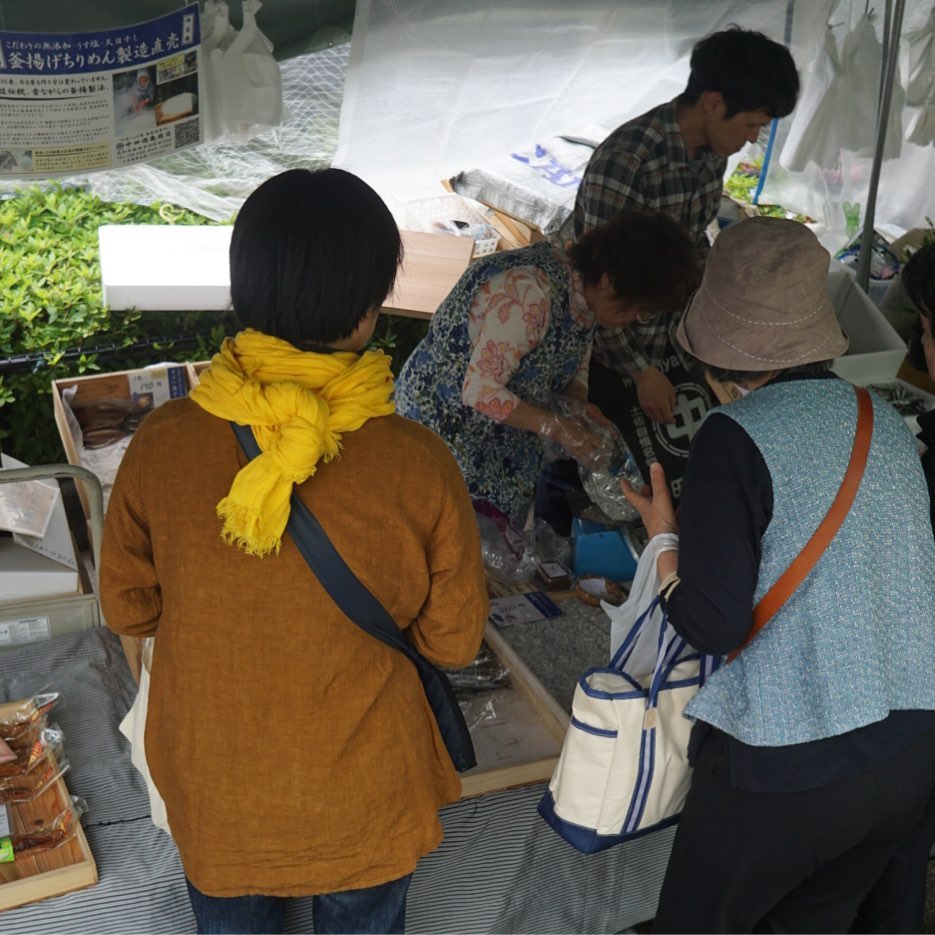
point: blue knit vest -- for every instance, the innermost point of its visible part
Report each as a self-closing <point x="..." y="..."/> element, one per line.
<point x="857" y="638"/>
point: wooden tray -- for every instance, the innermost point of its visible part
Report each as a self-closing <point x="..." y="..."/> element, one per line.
<point x="48" y="873"/>
<point x="522" y="744"/>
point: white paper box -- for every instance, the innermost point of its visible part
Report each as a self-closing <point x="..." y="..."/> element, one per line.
<point x="25" y="574"/>
<point x="167" y="267"/>
<point x="876" y="351"/>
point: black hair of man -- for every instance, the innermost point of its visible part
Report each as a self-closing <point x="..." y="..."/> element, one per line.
<point x="312" y="252"/>
<point x="647" y="257"/>
<point x="748" y="69"/>
<point x="918" y="278"/>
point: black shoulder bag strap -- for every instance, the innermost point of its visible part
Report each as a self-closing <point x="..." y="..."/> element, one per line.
<point x="362" y="608"/>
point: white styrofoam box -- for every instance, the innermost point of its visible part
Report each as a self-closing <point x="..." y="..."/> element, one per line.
<point x="25" y="574"/>
<point x="876" y="351"/>
<point x="165" y="267"/>
<point x="435" y="214"/>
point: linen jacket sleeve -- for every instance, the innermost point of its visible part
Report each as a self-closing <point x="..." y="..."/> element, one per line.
<point x="450" y="626"/>
<point x="130" y="594"/>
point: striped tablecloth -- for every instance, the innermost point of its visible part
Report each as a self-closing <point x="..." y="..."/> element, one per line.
<point x="500" y="868"/>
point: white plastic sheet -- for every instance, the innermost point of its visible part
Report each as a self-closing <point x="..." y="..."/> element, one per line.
<point x="435" y="88"/>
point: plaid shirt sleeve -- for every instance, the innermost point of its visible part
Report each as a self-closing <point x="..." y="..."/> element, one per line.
<point x="614" y="349"/>
<point x="611" y="183"/>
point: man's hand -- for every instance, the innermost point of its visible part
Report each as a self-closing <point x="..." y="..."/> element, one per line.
<point x="655" y="394"/>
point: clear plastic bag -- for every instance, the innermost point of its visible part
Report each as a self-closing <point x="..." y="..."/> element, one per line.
<point x="605" y="464"/>
<point x="485" y="673"/>
<point x="511" y="556"/>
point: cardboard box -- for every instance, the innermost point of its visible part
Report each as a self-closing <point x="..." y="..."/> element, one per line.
<point x="876" y="351"/>
<point x="148" y="386"/>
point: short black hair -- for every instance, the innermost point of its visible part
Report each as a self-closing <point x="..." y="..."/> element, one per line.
<point x="814" y="369"/>
<point x="646" y="256"/>
<point x="918" y="278"/>
<point x="748" y="69"/>
<point x="312" y="252"/>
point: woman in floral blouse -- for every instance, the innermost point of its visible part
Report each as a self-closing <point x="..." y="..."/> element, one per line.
<point x="516" y="330"/>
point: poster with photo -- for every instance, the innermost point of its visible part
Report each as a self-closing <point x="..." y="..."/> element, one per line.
<point x="76" y="102"/>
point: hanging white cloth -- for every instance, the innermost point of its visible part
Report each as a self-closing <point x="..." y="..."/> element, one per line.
<point x="862" y="58"/>
<point x="838" y="106"/>
<point x="814" y="131"/>
<point x="920" y="84"/>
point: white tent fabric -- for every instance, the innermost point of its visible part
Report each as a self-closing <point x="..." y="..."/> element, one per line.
<point x="813" y="132"/>
<point x="434" y="88"/>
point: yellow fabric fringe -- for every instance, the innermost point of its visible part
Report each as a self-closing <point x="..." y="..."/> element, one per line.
<point x="298" y="404"/>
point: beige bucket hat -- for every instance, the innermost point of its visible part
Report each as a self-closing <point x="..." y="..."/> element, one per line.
<point x="763" y="302"/>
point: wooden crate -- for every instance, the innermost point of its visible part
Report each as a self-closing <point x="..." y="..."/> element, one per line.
<point x="47" y="873"/>
<point x="523" y="746"/>
<point x="195" y="369"/>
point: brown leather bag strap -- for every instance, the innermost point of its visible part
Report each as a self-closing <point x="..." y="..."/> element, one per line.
<point x="806" y="560"/>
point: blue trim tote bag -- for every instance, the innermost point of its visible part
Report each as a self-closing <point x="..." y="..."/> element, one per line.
<point x="624" y="771"/>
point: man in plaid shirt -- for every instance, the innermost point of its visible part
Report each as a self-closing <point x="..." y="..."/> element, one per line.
<point x="672" y="159"/>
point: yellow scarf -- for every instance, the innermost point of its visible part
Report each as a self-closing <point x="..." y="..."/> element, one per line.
<point x="298" y="404"/>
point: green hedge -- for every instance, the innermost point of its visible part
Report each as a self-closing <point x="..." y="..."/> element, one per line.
<point x="53" y="323"/>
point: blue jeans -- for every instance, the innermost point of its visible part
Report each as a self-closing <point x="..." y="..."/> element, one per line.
<point x="376" y="909"/>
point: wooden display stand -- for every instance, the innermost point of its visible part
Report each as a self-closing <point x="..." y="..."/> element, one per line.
<point x="432" y="264"/>
<point x="521" y="745"/>
<point x="48" y="873"/>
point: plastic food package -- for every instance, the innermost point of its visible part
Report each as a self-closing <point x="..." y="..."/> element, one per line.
<point x="51" y="834"/>
<point x="51" y="765"/>
<point x="26" y="759"/>
<point x="485" y="673"/>
<point x="20" y="720"/>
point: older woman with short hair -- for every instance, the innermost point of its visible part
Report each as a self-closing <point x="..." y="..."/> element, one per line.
<point x="517" y="330"/>
<point x="814" y="749"/>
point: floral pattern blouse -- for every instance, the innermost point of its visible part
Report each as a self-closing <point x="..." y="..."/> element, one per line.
<point x="515" y="327"/>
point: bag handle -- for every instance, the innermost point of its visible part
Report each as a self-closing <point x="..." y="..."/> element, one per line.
<point x="806" y="560"/>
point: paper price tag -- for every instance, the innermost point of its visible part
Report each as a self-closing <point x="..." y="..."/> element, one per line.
<point x="6" y="851"/>
<point x="5" y="828"/>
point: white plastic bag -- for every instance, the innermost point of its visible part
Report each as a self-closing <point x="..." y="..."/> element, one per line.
<point x="252" y="81"/>
<point x="133" y="727"/>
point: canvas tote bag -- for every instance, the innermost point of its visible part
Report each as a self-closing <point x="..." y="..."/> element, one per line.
<point x="624" y="767"/>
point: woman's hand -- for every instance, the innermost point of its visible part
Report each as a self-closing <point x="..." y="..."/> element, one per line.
<point x="578" y="442"/>
<point x="654" y="505"/>
<point x="655" y="393"/>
